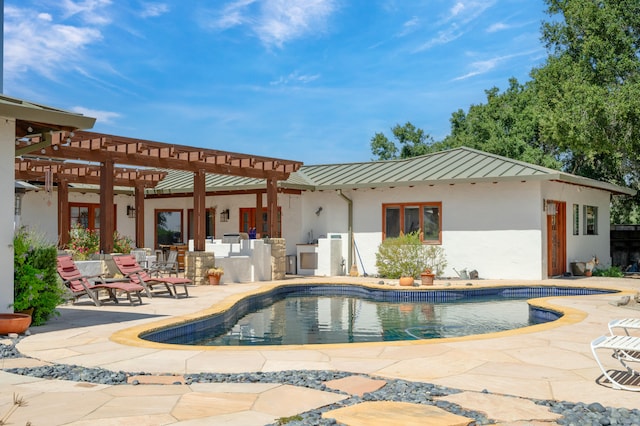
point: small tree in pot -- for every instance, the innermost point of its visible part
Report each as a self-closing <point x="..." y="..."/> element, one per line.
<point x="407" y="256"/>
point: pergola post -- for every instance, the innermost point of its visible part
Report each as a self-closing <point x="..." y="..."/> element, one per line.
<point x="199" y="212"/>
<point x="272" y="206"/>
<point x="259" y="212"/>
<point x="107" y="227"/>
<point x="63" y="213"/>
<point x="139" y="220"/>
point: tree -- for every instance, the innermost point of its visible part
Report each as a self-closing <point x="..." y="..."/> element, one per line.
<point x="413" y="142"/>
<point x="588" y="91"/>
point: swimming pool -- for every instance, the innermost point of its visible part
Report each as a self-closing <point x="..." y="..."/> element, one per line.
<point x="319" y="314"/>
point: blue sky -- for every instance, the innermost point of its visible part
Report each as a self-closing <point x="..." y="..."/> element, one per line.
<point x="305" y="80"/>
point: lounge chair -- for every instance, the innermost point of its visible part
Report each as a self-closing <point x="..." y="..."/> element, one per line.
<point x="166" y="266"/>
<point x="90" y="286"/>
<point x="129" y="267"/>
<point x="621" y="346"/>
<point x="625" y="324"/>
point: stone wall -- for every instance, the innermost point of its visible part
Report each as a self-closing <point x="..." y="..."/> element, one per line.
<point x="196" y="264"/>
<point x="278" y="258"/>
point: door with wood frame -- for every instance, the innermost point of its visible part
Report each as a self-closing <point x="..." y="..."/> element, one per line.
<point x="556" y="237"/>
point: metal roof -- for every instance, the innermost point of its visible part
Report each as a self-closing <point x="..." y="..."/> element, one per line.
<point x="41" y="116"/>
<point x="459" y="165"/>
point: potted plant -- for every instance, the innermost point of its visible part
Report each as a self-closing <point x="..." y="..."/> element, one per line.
<point x="406" y="258"/>
<point x="427" y="276"/>
<point x="214" y="275"/>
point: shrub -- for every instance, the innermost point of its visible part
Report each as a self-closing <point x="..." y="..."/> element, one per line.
<point x="121" y="243"/>
<point x="35" y="280"/>
<point x="613" y="271"/>
<point x="407" y="256"/>
<point x="84" y="243"/>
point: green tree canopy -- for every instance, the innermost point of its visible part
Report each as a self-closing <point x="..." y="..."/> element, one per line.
<point x="413" y="141"/>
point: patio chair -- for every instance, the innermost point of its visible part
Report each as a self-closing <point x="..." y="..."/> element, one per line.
<point x="166" y="266"/>
<point x="626" y="324"/>
<point x="621" y="347"/>
<point x="90" y="286"/>
<point x="129" y="267"/>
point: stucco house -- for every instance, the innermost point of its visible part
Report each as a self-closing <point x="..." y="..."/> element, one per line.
<point x="504" y="218"/>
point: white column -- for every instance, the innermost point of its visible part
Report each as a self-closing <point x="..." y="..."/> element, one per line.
<point x="7" y="192"/>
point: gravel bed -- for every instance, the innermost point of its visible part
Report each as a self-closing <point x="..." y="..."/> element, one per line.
<point x="578" y="414"/>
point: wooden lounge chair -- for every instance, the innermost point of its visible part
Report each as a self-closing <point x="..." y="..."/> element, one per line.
<point x="129" y="267"/>
<point x="621" y="346"/>
<point x="82" y="285"/>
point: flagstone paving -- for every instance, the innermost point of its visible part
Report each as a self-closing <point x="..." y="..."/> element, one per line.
<point x="497" y="372"/>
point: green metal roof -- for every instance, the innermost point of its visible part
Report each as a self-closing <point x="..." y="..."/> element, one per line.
<point x="460" y="165"/>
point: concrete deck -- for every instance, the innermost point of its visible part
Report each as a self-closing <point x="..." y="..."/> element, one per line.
<point x="548" y="361"/>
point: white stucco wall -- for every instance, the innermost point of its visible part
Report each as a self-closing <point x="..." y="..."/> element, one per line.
<point x="498" y="229"/>
<point x="493" y="228"/>
<point x="7" y="189"/>
<point x="40" y="212"/>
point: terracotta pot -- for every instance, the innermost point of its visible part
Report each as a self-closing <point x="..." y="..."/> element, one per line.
<point x="427" y="279"/>
<point x="588" y="273"/>
<point x="14" y="323"/>
<point x="214" y="279"/>
<point x="406" y="281"/>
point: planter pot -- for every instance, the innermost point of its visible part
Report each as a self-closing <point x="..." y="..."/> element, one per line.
<point x="427" y="279"/>
<point x="588" y="273"/>
<point x="406" y="281"/>
<point x="14" y="323"/>
<point x="214" y="279"/>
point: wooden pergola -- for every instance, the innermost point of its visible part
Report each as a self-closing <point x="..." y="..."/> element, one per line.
<point x="115" y="160"/>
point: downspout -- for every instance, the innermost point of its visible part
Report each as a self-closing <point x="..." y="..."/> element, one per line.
<point x="350" y="229"/>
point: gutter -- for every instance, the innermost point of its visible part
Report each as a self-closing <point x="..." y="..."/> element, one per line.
<point x="350" y="229"/>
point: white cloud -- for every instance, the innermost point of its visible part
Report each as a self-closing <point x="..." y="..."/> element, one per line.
<point x="45" y="17"/>
<point x="89" y="11"/>
<point x="102" y="117"/>
<point x="456" y="23"/>
<point x="482" y="67"/>
<point x="152" y="10"/>
<point x="409" y="27"/>
<point x="44" y="48"/>
<point x="498" y="26"/>
<point x="294" y="77"/>
<point x="276" y="22"/>
<point x="443" y="37"/>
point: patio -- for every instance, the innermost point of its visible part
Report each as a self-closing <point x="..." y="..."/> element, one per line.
<point x="549" y="361"/>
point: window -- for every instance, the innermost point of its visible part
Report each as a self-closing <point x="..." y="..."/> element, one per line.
<point x="248" y="220"/>
<point x="576" y="219"/>
<point x="590" y="217"/>
<point x="209" y="226"/>
<point x="168" y="227"/>
<point x="410" y="217"/>
<point x="87" y="215"/>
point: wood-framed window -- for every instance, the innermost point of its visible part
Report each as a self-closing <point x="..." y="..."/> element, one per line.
<point x="168" y="227"/>
<point x="249" y="220"/>
<point x="209" y="225"/>
<point x="590" y="220"/>
<point x="87" y="215"/>
<point x="424" y="217"/>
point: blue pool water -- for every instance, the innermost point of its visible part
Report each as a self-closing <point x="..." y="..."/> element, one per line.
<point x="303" y="314"/>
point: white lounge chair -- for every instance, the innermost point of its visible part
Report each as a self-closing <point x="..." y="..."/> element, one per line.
<point x="621" y="346"/>
<point x="625" y="324"/>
